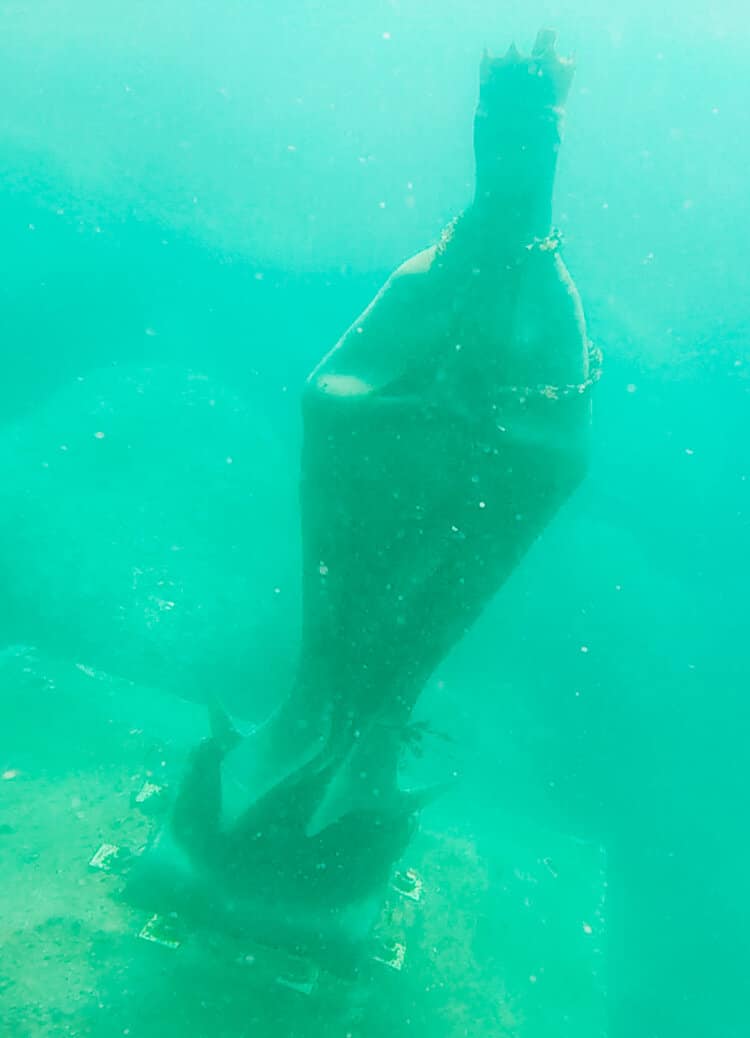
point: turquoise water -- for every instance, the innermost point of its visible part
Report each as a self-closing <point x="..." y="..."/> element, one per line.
<point x="197" y="200"/>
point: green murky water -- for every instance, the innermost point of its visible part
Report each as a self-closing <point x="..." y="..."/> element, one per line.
<point x="196" y="201"/>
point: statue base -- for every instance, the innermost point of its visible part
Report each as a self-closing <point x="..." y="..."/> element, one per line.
<point x="497" y="935"/>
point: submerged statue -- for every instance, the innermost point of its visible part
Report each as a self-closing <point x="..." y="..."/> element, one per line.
<point x="441" y="435"/>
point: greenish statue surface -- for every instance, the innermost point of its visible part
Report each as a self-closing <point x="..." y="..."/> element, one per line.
<point x="441" y="435"/>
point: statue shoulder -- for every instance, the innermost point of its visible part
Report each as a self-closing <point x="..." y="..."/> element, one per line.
<point x="387" y="340"/>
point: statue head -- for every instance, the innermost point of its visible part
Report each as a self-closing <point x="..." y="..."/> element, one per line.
<point x="519" y="118"/>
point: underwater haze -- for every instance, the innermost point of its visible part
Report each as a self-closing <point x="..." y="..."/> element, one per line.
<point x="197" y="201"/>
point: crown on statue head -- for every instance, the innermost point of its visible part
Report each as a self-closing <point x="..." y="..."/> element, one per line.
<point x="543" y="78"/>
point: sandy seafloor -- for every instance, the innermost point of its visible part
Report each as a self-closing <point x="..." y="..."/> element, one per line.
<point x="509" y="946"/>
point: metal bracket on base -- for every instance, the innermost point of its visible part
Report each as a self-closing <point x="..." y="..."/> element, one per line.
<point x="300" y="975"/>
<point x="162" y="930"/>
<point x="108" y="858"/>
<point x="408" y="884"/>
<point x="391" y="954"/>
<point x="149" y="791"/>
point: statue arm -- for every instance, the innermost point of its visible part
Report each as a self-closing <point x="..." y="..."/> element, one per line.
<point x="389" y="341"/>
